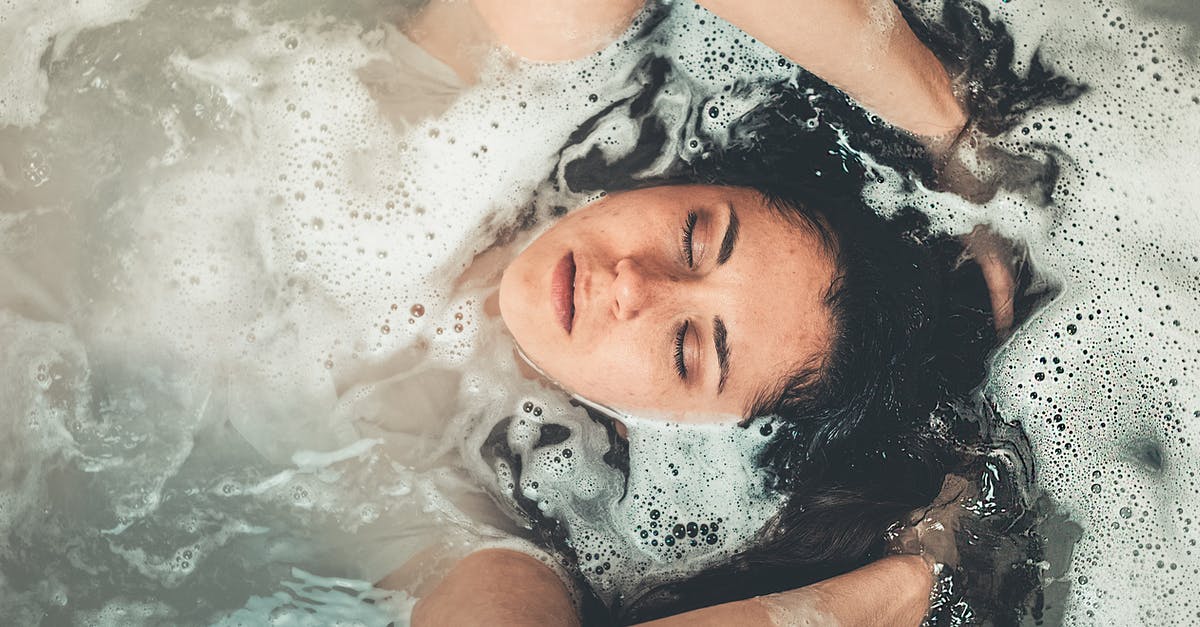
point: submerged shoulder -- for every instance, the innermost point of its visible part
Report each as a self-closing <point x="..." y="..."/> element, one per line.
<point x="497" y="587"/>
<point x="556" y="30"/>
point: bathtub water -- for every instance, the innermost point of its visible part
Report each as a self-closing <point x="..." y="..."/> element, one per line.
<point x="226" y="366"/>
<point x="233" y="369"/>
<point x="1104" y="379"/>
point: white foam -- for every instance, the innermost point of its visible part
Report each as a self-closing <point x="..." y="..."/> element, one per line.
<point x="36" y="33"/>
<point x="1103" y="379"/>
<point x="248" y="240"/>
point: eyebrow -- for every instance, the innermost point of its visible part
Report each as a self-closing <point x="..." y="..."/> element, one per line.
<point x="730" y="239"/>
<point x="720" y="341"/>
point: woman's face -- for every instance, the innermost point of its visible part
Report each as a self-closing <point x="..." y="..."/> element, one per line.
<point x="684" y="302"/>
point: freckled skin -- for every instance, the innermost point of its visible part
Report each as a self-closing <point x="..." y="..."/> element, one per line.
<point x="634" y="290"/>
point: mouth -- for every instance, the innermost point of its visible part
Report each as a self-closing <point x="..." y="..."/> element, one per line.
<point x="562" y="291"/>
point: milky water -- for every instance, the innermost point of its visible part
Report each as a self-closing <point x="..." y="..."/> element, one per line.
<point x="1104" y="378"/>
<point x="220" y="256"/>
<point x="237" y="382"/>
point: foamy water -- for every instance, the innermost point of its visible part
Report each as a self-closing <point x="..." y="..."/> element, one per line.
<point x="1104" y="378"/>
<point x="229" y="333"/>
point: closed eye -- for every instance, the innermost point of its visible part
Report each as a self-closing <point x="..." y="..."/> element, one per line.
<point x="689" y="228"/>
<point x="680" y="363"/>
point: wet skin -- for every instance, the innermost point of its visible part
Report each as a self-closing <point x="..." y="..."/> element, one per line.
<point x="681" y="302"/>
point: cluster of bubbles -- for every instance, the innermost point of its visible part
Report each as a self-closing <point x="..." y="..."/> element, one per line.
<point x="218" y="252"/>
<point x="259" y="264"/>
<point x="1103" y="377"/>
<point x="667" y="501"/>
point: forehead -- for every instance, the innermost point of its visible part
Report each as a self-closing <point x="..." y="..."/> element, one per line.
<point x="775" y="311"/>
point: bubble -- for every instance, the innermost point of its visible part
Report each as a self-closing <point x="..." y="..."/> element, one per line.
<point x="287" y="152"/>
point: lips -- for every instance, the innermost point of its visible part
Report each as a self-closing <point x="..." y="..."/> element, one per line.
<point x="562" y="291"/>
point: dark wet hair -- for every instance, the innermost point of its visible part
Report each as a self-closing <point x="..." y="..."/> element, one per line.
<point x="853" y="448"/>
<point x="866" y="435"/>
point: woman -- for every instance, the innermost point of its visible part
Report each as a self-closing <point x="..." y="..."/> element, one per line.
<point x="726" y="303"/>
<point x="817" y="281"/>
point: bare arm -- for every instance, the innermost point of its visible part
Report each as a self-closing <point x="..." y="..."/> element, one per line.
<point x="556" y="30"/>
<point x="863" y="47"/>
<point x="460" y="32"/>
<point x="500" y="587"/>
<point x="891" y="591"/>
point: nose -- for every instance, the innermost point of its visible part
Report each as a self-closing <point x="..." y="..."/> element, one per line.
<point x="630" y="289"/>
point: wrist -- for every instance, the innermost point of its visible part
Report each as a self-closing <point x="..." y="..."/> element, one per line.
<point x="916" y="582"/>
<point x="919" y="569"/>
<point x="948" y="121"/>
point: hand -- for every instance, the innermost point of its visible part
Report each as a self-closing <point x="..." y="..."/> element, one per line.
<point x="930" y="532"/>
<point x="977" y="167"/>
<point x="964" y="164"/>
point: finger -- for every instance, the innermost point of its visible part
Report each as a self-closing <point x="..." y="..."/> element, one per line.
<point x="995" y="262"/>
<point x="1001" y="290"/>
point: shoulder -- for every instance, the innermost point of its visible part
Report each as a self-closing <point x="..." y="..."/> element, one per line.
<point x="556" y="30"/>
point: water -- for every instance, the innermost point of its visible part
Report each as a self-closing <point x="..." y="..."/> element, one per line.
<point x="233" y="371"/>
<point x="1103" y="378"/>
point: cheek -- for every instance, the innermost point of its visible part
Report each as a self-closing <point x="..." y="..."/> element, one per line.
<point x="515" y="291"/>
<point x="520" y="310"/>
<point x="611" y="373"/>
